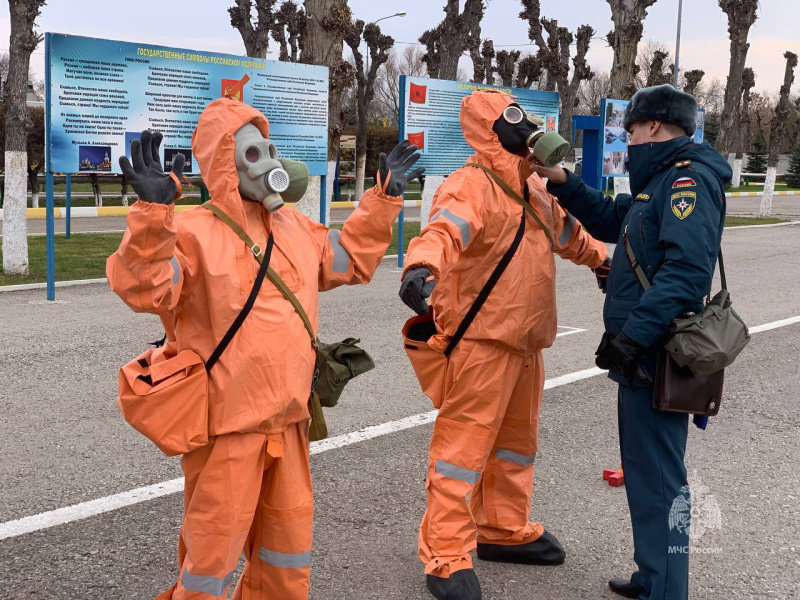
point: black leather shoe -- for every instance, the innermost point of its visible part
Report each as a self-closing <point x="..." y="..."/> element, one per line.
<point x="626" y="588"/>
<point x="461" y="585"/>
<point x="545" y="550"/>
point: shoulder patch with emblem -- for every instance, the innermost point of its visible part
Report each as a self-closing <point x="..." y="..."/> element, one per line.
<point x="683" y="203"/>
<point x="683" y="182"/>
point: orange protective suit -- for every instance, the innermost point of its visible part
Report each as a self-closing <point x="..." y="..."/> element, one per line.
<point x="485" y="436"/>
<point x="195" y="273"/>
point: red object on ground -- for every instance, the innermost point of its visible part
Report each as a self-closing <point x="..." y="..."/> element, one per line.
<point x="613" y="477"/>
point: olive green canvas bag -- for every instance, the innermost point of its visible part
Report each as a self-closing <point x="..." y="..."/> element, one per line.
<point x="706" y="342"/>
<point x="336" y="363"/>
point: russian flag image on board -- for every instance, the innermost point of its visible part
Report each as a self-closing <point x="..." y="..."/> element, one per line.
<point x="418" y="93"/>
<point x="417" y="139"/>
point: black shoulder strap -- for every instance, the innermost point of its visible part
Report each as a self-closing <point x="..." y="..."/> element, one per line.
<point x="487" y="289"/>
<point x="251" y="300"/>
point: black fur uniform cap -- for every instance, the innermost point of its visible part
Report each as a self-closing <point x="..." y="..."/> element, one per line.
<point x="662" y="103"/>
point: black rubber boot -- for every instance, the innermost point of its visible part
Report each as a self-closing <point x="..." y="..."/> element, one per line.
<point x="461" y="585"/>
<point x="545" y="550"/>
<point x="625" y="587"/>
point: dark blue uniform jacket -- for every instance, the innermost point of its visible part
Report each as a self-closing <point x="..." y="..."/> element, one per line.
<point x="674" y="225"/>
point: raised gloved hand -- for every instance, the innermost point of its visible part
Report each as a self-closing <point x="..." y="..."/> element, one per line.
<point x="626" y="355"/>
<point x="146" y="176"/>
<point x="415" y="290"/>
<point x="601" y="273"/>
<point x="392" y="169"/>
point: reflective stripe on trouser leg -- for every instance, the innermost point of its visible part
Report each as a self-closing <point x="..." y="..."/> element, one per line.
<point x="479" y="383"/>
<point x="223" y="480"/>
<point x="501" y="502"/>
<point x="278" y="550"/>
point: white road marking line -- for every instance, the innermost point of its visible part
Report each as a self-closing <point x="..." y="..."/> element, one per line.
<point x="570" y="330"/>
<point x="91" y="508"/>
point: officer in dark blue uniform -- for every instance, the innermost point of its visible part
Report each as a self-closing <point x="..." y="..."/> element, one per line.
<point x="673" y="219"/>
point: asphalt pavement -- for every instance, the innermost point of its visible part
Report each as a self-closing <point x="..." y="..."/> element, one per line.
<point x="64" y="442"/>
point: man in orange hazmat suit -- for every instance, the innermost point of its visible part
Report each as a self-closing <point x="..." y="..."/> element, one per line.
<point x="485" y="437"/>
<point x="249" y="488"/>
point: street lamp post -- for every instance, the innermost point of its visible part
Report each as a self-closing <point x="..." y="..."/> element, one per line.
<point x="677" y="46"/>
<point x="402" y="13"/>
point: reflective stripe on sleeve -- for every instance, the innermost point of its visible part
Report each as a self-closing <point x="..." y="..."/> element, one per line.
<point x="458" y="222"/>
<point x="455" y="472"/>
<point x="206" y="583"/>
<point x="509" y="455"/>
<point x="341" y="259"/>
<point x="569" y="230"/>
<point x="176" y="270"/>
<point x="283" y="560"/>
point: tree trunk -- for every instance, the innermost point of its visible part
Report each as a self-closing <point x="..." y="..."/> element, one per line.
<point x="446" y="42"/>
<point x="693" y="78"/>
<point x="125" y="187"/>
<point x="777" y="133"/>
<point x="255" y="35"/>
<point x="628" y="16"/>
<point x="741" y="16"/>
<point x="743" y="125"/>
<point x="33" y="181"/>
<point x="23" y="41"/>
<point x="98" y="194"/>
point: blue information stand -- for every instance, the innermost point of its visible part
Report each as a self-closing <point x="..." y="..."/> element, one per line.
<point x="401" y="135"/>
<point x="48" y="168"/>
<point x="590" y="163"/>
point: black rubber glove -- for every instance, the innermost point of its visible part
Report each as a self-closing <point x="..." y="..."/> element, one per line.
<point x="400" y="160"/>
<point x="626" y="355"/>
<point x="146" y="176"/>
<point x="601" y="273"/>
<point x="415" y="291"/>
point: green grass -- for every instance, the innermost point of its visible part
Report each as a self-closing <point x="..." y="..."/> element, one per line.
<point x="83" y="256"/>
<point x="733" y="221"/>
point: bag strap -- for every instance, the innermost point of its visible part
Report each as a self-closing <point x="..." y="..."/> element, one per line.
<point x="507" y="189"/>
<point x="251" y="300"/>
<point x="639" y="272"/>
<point x="271" y="273"/>
<point x="487" y="289"/>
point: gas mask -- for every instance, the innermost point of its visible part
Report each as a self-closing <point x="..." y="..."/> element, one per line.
<point x="520" y="134"/>
<point x="263" y="176"/>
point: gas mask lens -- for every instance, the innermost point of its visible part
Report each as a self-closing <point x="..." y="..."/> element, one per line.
<point x="513" y="115"/>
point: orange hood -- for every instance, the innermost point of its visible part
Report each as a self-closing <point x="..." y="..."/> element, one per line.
<point x="479" y="111"/>
<point x="213" y="147"/>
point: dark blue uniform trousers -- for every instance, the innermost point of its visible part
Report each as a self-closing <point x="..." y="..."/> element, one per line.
<point x="653" y="445"/>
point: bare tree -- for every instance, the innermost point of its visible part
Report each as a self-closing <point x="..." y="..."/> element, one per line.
<point x="743" y="124"/>
<point x="692" y="80"/>
<point x="288" y="27"/>
<point x="23" y="41"/>
<point x="378" y="46"/>
<point x="591" y="92"/>
<point x="529" y="71"/>
<point x="487" y="54"/>
<point x="628" y="16"/>
<point x="506" y="65"/>
<point x="777" y="133"/>
<point x="35" y="152"/>
<point x="458" y="31"/>
<point x="327" y="23"/>
<point x="387" y="91"/>
<point x="548" y="58"/>
<point x="254" y="32"/>
<point x="652" y="64"/>
<point x="741" y="16"/>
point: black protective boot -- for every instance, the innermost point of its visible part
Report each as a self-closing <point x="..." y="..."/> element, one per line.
<point x="461" y="585"/>
<point x="625" y="587"/>
<point x="545" y="550"/>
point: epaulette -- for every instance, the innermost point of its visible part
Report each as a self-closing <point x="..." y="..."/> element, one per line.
<point x="683" y="163"/>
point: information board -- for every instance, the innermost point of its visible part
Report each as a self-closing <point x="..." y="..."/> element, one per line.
<point x="614" y="138"/>
<point x="429" y="118"/>
<point x="103" y="93"/>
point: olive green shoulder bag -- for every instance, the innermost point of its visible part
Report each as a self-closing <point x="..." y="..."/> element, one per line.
<point x="336" y="364"/>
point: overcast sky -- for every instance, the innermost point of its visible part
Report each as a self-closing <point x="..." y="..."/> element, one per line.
<point x="204" y="25"/>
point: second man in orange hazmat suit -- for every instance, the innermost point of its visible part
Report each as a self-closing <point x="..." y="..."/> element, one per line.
<point x="484" y="439"/>
<point x="249" y="489"/>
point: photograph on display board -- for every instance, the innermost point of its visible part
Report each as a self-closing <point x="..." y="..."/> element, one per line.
<point x="169" y="158"/>
<point x="614" y="139"/>
<point x="615" y="163"/>
<point x="94" y="158"/>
